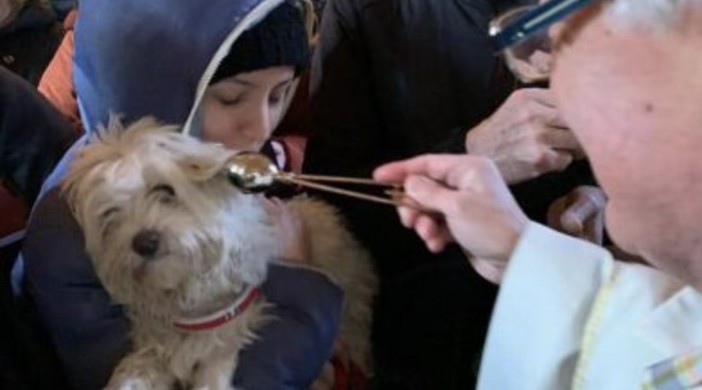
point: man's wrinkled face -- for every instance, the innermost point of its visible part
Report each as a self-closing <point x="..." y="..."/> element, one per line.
<point x="634" y="99"/>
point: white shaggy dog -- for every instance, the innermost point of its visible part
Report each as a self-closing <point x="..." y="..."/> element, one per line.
<point x="174" y="241"/>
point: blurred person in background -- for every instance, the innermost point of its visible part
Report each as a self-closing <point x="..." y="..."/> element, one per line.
<point x="392" y="79"/>
<point x="29" y="37"/>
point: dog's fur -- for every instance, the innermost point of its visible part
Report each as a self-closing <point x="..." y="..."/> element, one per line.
<point x="214" y="242"/>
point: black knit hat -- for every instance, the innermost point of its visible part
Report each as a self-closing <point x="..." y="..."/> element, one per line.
<point x="279" y="39"/>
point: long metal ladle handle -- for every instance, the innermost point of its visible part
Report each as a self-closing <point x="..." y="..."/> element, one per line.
<point x="395" y="193"/>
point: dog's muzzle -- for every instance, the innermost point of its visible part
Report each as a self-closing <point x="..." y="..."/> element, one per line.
<point x="146" y="242"/>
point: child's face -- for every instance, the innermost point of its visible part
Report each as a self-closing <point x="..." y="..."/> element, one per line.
<point x="242" y="111"/>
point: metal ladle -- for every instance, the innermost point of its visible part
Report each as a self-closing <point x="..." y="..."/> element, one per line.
<point x="254" y="172"/>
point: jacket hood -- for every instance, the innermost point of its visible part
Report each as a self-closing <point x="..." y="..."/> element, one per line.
<point x="137" y="58"/>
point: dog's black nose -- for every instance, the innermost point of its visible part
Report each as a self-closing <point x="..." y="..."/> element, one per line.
<point x="145" y="243"/>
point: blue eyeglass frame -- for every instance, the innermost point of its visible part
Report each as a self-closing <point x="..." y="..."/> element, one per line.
<point x="534" y="20"/>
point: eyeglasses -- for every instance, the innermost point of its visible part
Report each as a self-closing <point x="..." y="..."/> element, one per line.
<point x="522" y="36"/>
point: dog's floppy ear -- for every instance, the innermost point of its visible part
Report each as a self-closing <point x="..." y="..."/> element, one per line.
<point x="205" y="162"/>
<point x="198" y="160"/>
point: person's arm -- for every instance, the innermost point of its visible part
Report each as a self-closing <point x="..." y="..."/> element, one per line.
<point x="462" y="199"/>
<point x="584" y="313"/>
<point x="88" y="331"/>
<point x="548" y="290"/>
<point x="307" y="309"/>
<point x="590" y="320"/>
<point x="33" y="135"/>
<point x="295" y="345"/>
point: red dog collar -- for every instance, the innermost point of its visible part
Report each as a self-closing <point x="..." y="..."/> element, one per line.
<point x="220" y="317"/>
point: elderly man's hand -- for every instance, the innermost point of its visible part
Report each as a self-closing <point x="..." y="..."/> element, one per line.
<point x="462" y="199"/>
<point x="580" y="214"/>
<point x="526" y="137"/>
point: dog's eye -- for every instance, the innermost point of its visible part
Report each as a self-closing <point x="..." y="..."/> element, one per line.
<point x="164" y="189"/>
<point x="164" y="194"/>
<point x="108" y="213"/>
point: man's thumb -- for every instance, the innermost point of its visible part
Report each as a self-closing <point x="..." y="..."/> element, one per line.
<point x="573" y="221"/>
<point x="586" y="204"/>
<point x="427" y="192"/>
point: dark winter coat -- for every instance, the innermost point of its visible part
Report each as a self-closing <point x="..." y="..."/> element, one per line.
<point x="392" y="79"/>
<point x="29" y="42"/>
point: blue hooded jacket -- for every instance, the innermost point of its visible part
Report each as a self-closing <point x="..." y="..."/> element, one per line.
<point x="139" y="58"/>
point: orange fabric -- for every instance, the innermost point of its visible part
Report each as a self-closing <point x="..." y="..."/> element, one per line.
<point x="56" y="83"/>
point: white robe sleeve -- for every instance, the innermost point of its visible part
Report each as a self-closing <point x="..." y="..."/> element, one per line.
<point x="569" y="316"/>
<point x="542" y="307"/>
